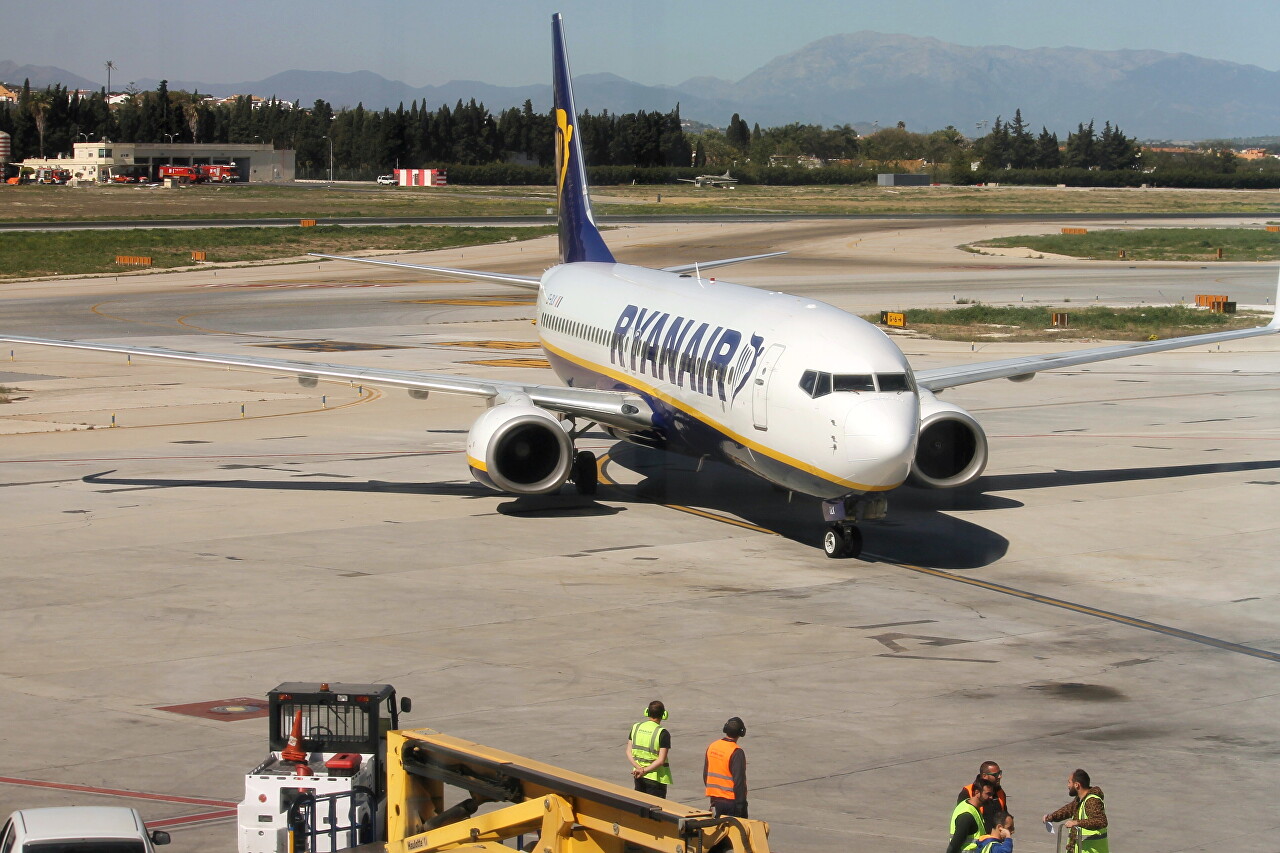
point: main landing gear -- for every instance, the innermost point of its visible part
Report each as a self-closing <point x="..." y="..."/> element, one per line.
<point x="584" y="473"/>
<point x="842" y="538"/>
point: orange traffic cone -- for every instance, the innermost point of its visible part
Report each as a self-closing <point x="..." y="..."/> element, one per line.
<point x="293" y="750"/>
<point x="303" y="770"/>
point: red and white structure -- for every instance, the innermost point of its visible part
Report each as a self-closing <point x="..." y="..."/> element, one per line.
<point x="421" y="177"/>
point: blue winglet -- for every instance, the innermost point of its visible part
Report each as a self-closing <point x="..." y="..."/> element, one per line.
<point x="580" y="240"/>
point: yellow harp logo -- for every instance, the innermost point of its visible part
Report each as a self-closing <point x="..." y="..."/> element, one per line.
<point x="564" y="133"/>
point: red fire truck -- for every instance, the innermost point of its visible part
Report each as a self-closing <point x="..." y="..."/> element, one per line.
<point x="185" y="174"/>
<point x="206" y="173"/>
<point x="220" y="174"/>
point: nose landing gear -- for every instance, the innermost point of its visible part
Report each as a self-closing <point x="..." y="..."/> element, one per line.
<point x="842" y="538"/>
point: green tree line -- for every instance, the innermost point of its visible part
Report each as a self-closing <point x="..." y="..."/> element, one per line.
<point x="364" y="142"/>
<point x="515" y="145"/>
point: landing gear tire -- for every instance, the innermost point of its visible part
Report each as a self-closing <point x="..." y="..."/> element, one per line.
<point x="842" y="541"/>
<point x="585" y="474"/>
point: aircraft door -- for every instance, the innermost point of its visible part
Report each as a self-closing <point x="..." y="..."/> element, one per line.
<point x="760" y="386"/>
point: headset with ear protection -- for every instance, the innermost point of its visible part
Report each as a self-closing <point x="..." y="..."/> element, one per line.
<point x="734" y="727"/>
<point x="653" y="706"/>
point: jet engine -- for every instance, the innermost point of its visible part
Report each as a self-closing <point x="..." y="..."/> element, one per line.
<point x="519" y="448"/>
<point x="952" y="450"/>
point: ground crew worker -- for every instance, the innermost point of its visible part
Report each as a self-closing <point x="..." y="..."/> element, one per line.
<point x="1085" y="816"/>
<point x="991" y="772"/>
<point x="1000" y="838"/>
<point x="725" y="770"/>
<point x="967" y="824"/>
<point x="647" y="749"/>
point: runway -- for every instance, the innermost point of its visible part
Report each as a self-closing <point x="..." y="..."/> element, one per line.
<point x="1104" y="598"/>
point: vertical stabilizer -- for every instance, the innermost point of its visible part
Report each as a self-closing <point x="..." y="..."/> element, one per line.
<point x="580" y="240"/>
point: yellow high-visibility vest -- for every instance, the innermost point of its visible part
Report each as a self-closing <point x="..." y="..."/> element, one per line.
<point x="965" y="807"/>
<point x="644" y="749"/>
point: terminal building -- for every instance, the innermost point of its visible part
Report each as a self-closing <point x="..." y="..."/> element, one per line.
<point x="104" y="161"/>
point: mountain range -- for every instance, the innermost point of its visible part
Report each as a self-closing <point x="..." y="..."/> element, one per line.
<point x="864" y="79"/>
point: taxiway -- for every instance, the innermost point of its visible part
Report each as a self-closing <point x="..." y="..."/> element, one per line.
<point x="1104" y="598"/>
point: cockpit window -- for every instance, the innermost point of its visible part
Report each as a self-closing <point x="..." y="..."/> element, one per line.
<point x="893" y="382"/>
<point x="816" y="384"/>
<point x="852" y="382"/>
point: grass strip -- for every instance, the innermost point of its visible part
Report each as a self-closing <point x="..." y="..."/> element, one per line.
<point x="1153" y="244"/>
<point x="25" y="254"/>
<point x="32" y="203"/>
<point x="1016" y="323"/>
<point x="29" y="204"/>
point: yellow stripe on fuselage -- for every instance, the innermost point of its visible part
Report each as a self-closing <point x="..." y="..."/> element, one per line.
<point x="634" y="382"/>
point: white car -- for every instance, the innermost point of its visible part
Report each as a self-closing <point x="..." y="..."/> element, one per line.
<point x="79" y="829"/>
<point x="387" y="179"/>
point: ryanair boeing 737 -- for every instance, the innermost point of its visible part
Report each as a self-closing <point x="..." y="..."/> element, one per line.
<point x="798" y="392"/>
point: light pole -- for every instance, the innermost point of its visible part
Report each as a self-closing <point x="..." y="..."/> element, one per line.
<point x="169" y="138"/>
<point x="330" y="138"/>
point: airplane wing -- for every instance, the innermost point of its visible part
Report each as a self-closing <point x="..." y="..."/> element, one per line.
<point x="528" y="282"/>
<point x="614" y="408"/>
<point x="939" y="378"/>
<point x="707" y="265"/>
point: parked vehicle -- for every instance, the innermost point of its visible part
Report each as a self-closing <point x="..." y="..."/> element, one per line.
<point x="327" y="756"/>
<point x="219" y="174"/>
<point x="79" y="829"/>
<point x="202" y="174"/>
<point x="52" y="176"/>
<point x="387" y="179"/>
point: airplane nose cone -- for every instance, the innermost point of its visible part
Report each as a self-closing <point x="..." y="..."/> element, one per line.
<point x="880" y="437"/>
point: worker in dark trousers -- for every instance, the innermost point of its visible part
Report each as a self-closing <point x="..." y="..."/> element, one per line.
<point x="1085" y="816"/>
<point x="991" y="772"/>
<point x="967" y="825"/>
<point x="647" y="749"/>
<point x="724" y="768"/>
<point x="1000" y="837"/>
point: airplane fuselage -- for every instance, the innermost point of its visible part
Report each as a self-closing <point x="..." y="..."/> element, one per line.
<point x="797" y="391"/>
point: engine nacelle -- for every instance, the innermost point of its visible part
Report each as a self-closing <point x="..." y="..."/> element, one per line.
<point x="519" y="448"/>
<point x="952" y="450"/>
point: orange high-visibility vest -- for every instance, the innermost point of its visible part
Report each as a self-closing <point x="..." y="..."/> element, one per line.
<point x="968" y="792"/>
<point x="719" y="776"/>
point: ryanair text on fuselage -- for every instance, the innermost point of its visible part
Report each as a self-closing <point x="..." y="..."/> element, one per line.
<point x="652" y="343"/>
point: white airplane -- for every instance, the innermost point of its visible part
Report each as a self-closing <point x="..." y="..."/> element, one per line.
<point x="712" y="180"/>
<point x="798" y="392"/>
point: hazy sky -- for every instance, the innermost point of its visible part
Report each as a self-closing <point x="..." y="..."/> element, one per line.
<point x="507" y="42"/>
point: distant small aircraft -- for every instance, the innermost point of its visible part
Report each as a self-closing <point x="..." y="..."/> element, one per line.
<point x="711" y="180"/>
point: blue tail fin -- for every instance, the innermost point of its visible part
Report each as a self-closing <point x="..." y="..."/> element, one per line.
<point x="580" y="240"/>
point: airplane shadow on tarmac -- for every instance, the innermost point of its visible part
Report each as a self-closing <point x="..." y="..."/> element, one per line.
<point x="911" y="534"/>
<point x="919" y="529"/>
<point x="559" y="505"/>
